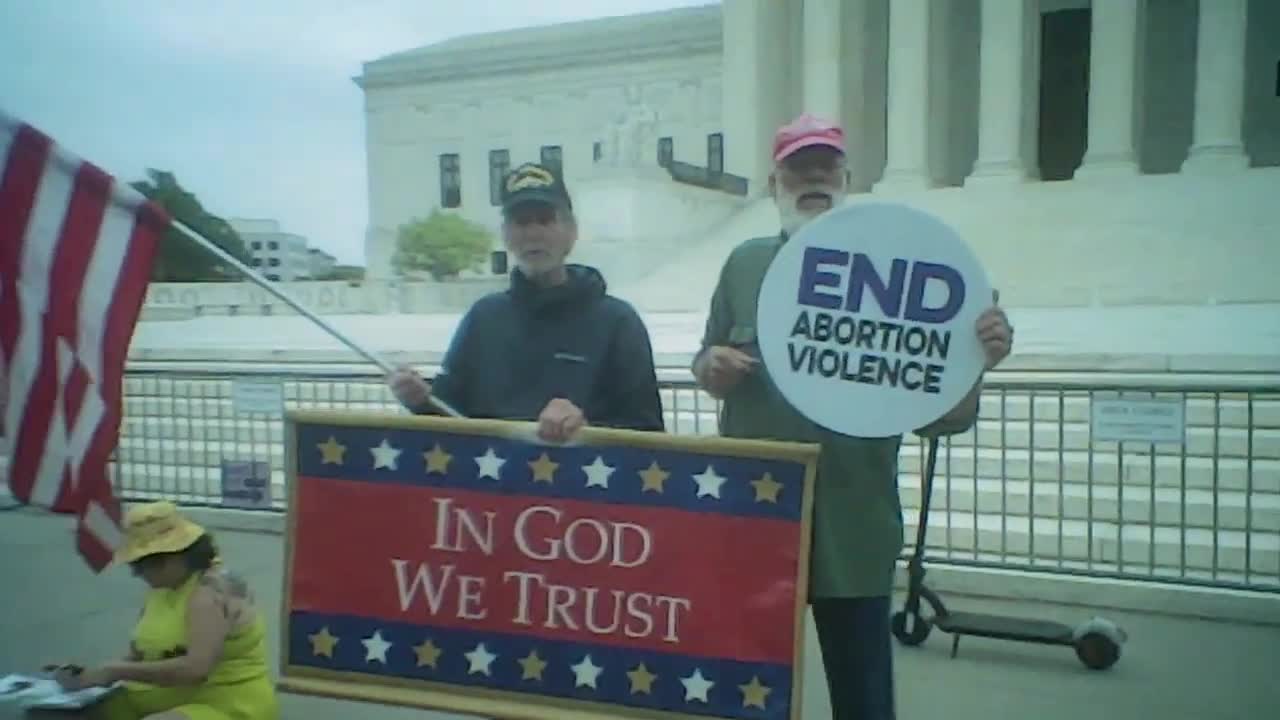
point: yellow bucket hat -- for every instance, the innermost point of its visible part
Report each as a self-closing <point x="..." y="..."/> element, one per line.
<point x="155" y="528"/>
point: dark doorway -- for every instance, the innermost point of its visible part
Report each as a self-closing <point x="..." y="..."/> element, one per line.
<point x="1064" y="92"/>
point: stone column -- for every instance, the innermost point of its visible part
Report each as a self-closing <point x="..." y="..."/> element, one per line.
<point x="751" y="99"/>
<point x="941" y="42"/>
<point x="861" y="123"/>
<point x="1218" y="139"/>
<point x="906" y="164"/>
<point x="1008" y="63"/>
<point x="1113" y="76"/>
<point x="823" y="69"/>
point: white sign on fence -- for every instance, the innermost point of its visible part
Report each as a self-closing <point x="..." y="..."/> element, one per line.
<point x="1147" y="420"/>
<point x="246" y="484"/>
<point x="257" y="397"/>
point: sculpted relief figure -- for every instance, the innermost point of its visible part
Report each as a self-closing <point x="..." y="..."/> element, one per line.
<point x="625" y="142"/>
<point x="609" y="146"/>
<point x="631" y="137"/>
<point x="641" y="128"/>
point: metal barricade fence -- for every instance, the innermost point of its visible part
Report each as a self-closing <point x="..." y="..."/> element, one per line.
<point x="1031" y="486"/>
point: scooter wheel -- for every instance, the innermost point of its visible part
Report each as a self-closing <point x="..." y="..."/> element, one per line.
<point x="1097" y="651"/>
<point x="915" y="633"/>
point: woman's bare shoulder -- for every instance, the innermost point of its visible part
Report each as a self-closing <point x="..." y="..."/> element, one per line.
<point x="224" y="581"/>
<point x="229" y="591"/>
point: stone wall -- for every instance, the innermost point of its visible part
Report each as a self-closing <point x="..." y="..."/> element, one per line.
<point x="179" y="301"/>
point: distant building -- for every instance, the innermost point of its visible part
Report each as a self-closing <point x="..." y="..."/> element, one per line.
<point x="320" y="263"/>
<point x="280" y="256"/>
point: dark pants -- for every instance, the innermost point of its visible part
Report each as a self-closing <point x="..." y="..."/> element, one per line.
<point x="857" y="655"/>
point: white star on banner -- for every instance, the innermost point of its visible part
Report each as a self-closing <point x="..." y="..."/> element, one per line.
<point x="375" y="648"/>
<point x="598" y="473"/>
<point x="385" y="456"/>
<point x="480" y="660"/>
<point x="696" y="686"/>
<point x="586" y="672"/>
<point x="490" y="464"/>
<point x="709" y="483"/>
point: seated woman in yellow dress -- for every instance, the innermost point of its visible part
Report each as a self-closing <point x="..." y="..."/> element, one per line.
<point x="198" y="649"/>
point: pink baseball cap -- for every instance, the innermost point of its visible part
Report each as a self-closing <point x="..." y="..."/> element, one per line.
<point x="806" y="131"/>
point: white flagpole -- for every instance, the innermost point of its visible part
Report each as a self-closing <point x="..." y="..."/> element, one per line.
<point x="270" y="287"/>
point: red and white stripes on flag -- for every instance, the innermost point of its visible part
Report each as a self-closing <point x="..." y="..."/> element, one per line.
<point x="76" y="249"/>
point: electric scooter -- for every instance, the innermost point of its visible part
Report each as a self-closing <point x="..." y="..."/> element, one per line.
<point x="1097" y="641"/>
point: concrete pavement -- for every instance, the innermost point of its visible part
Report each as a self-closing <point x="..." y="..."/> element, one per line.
<point x="1174" y="668"/>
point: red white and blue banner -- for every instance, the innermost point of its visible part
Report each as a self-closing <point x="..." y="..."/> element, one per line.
<point x="454" y="564"/>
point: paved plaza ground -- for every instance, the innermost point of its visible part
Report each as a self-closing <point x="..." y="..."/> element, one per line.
<point x="1174" y="667"/>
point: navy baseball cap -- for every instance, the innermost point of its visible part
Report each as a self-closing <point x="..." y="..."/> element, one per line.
<point x="534" y="183"/>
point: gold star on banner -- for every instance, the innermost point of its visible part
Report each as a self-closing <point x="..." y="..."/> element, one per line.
<point x="641" y="680"/>
<point x="428" y="654"/>
<point x="654" y="477"/>
<point x="331" y="451"/>
<point x="543" y="469"/>
<point x="767" y="488"/>
<point x="532" y="666"/>
<point x="437" y="460"/>
<point x="754" y="694"/>
<point x="322" y="643"/>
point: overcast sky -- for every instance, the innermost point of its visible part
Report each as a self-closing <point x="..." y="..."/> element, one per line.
<point x="250" y="103"/>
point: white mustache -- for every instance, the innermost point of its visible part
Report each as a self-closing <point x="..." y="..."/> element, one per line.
<point x="812" y="191"/>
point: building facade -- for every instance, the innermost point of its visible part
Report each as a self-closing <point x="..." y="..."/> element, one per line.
<point x="940" y="92"/>
<point x="446" y="121"/>
<point x="280" y="256"/>
<point x="1162" y="98"/>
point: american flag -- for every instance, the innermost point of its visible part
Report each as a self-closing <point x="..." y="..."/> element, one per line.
<point x="76" y="249"/>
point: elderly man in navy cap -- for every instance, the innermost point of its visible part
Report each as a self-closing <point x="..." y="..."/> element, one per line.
<point x="857" y="527"/>
<point x="554" y="347"/>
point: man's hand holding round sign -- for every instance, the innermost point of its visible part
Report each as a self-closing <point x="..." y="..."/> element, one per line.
<point x="867" y="319"/>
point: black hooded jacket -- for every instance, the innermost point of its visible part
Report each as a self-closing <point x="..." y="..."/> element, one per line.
<point x="514" y="351"/>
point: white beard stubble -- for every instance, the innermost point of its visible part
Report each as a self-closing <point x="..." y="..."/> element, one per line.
<point x="792" y="217"/>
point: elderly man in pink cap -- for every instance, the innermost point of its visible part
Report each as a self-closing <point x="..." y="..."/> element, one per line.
<point x="857" y="527"/>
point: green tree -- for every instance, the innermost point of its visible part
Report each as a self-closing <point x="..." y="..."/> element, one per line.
<point x="443" y="245"/>
<point x="179" y="258"/>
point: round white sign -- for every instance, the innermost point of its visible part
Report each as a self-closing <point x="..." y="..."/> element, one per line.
<point x="867" y="319"/>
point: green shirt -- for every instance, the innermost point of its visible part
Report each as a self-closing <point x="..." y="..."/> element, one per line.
<point x="857" y="515"/>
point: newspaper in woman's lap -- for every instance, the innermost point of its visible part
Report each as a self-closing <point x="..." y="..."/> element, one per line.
<point x="44" y="693"/>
